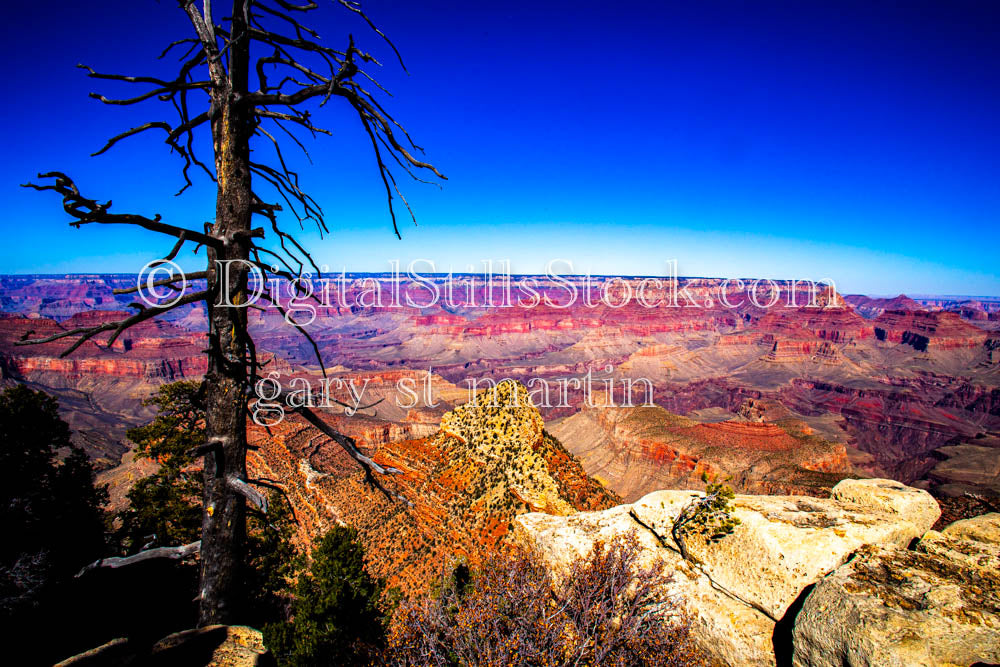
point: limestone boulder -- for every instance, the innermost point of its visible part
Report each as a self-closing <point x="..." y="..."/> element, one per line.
<point x="889" y="496"/>
<point x="937" y="604"/>
<point x="984" y="528"/>
<point x="785" y="543"/>
<point x="731" y="632"/>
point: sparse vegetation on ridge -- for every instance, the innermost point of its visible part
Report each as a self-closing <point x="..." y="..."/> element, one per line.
<point x="707" y="517"/>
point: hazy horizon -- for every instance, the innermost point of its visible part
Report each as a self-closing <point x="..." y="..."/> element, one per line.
<point x="873" y="295"/>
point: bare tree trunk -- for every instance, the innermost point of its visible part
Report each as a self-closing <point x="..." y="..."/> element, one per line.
<point x="235" y="115"/>
<point x="224" y="516"/>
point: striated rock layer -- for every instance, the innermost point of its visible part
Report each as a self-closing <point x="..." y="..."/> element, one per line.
<point x="640" y="449"/>
<point x="893" y="380"/>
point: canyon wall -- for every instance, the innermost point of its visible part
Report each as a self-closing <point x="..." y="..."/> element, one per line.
<point x="894" y="381"/>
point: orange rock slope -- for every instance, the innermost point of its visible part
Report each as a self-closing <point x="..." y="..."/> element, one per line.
<point x="642" y="449"/>
<point x="463" y="485"/>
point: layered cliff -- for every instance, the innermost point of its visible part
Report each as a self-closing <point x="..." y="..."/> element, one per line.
<point x="638" y="450"/>
<point x="925" y="330"/>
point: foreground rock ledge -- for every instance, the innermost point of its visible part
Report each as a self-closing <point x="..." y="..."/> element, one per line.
<point x="752" y="578"/>
<point x="937" y="604"/>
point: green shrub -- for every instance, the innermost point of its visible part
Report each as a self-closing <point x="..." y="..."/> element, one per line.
<point x="336" y="616"/>
<point x="708" y="516"/>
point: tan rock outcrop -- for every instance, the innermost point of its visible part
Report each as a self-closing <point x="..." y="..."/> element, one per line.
<point x="783" y="543"/>
<point x="746" y="581"/>
<point x="730" y="631"/>
<point x="886" y="495"/>
<point x="985" y="528"/>
<point x="938" y="604"/>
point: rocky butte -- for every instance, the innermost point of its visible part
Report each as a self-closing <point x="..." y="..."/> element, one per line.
<point x="464" y="484"/>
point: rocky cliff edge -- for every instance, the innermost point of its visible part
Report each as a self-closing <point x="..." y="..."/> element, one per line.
<point x="855" y="579"/>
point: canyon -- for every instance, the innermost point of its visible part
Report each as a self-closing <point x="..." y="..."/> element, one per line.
<point x="784" y="391"/>
<point x="559" y="425"/>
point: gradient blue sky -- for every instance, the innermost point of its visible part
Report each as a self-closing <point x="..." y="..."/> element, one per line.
<point x="850" y="140"/>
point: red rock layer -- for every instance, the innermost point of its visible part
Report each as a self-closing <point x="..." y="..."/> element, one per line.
<point x="928" y="330"/>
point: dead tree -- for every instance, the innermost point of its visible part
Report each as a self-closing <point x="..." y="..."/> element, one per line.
<point x="246" y="79"/>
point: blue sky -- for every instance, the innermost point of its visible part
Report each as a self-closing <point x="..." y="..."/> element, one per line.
<point x="848" y="140"/>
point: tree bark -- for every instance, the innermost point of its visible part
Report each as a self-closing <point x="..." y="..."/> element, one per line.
<point x="224" y="514"/>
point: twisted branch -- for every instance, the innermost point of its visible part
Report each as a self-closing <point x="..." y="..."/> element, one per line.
<point x="89" y="210"/>
<point x="174" y="553"/>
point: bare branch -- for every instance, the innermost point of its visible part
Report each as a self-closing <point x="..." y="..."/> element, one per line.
<point x="173" y="252"/>
<point x="302" y="120"/>
<point x="299" y="28"/>
<point x="174" y="553"/>
<point x="197" y="275"/>
<point x="356" y="8"/>
<point x="89" y="210"/>
<point x="86" y="333"/>
<point x="299" y="8"/>
<point x="274" y="486"/>
<point x="169" y="88"/>
<point x="255" y="497"/>
<point x="171" y="45"/>
<point x="135" y="130"/>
